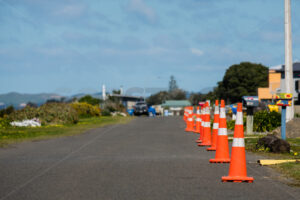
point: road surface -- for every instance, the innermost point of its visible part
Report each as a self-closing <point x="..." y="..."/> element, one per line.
<point x="149" y="158"/>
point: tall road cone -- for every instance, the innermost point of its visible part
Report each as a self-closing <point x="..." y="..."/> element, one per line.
<point x="199" y="140"/>
<point x="237" y="168"/>
<point x="222" y="150"/>
<point x="190" y="122"/>
<point x="215" y="128"/>
<point x="198" y="121"/>
<point x="206" y="140"/>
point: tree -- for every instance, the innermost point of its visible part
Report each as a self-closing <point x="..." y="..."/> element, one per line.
<point x="177" y="94"/>
<point x="32" y="104"/>
<point x="116" y="91"/>
<point x="172" y="84"/>
<point x="90" y="100"/>
<point x="195" y="98"/>
<point x="241" y="80"/>
<point x="7" y="111"/>
<point x="158" y="98"/>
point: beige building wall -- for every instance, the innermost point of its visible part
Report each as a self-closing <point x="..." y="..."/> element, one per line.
<point x="274" y="84"/>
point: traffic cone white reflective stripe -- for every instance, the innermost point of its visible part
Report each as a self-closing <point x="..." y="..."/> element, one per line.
<point x="238" y="142"/>
<point x="207" y="124"/>
<point x="222" y="113"/>
<point x="216" y="126"/>
<point x="239" y="118"/>
<point x="222" y="131"/>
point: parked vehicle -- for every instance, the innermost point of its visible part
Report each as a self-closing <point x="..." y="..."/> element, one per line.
<point x="140" y="108"/>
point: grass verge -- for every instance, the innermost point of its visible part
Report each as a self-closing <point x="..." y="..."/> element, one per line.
<point x="289" y="170"/>
<point x="13" y="135"/>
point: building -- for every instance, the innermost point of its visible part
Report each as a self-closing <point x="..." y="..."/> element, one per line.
<point x="175" y="107"/>
<point x="127" y="101"/>
<point x="277" y="82"/>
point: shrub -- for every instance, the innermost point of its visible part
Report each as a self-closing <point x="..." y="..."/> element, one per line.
<point x="86" y="110"/>
<point x="6" y="111"/>
<point x="4" y="122"/>
<point x="57" y="113"/>
<point x="266" y="121"/>
<point x="105" y="112"/>
<point x="26" y="113"/>
<point x="230" y="124"/>
<point x="114" y="106"/>
<point x="49" y="113"/>
<point x="90" y="100"/>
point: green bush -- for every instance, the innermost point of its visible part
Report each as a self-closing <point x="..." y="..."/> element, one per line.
<point x="90" y="100"/>
<point x="86" y="110"/>
<point x="105" y="112"/>
<point x="6" y="111"/>
<point x="4" y="122"/>
<point x="114" y="106"/>
<point x="57" y="113"/>
<point x="49" y="113"/>
<point x="266" y="121"/>
<point x="230" y="124"/>
<point x="26" y="113"/>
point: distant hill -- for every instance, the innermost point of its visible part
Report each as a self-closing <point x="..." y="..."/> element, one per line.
<point x="16" y="99"/>
<point x="95" y="95"/>
<point x="206" y="90"/>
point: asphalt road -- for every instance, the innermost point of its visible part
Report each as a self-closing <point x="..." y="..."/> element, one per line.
<point x="149" y="158"/>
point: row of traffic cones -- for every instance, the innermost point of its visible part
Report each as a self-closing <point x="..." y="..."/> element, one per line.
<point x="218" y="140"/>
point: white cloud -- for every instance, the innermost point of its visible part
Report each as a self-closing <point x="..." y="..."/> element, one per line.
<point x="196" y="52"/>
<point x="139" y="7"/>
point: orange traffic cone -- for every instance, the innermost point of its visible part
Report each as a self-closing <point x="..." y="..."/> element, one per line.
<point x="190" y="122"/>
<point x="198" y="121"/>
<point x="185" y="114"/>
<point x="237" y="168"/>
<point x="222" y="150"/>
<point x="215" y="128"/>
<point x="206" y="140"/>
<point x="199" y="140"/>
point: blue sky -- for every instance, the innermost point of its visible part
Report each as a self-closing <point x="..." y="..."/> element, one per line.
<point x="72" y="46"/>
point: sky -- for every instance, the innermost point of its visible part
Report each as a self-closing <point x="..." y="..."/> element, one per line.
<point x="75" y="46"/>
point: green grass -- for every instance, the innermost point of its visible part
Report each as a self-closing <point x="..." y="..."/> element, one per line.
<point x="12" y="135"/>
<point x="289" y="170"/>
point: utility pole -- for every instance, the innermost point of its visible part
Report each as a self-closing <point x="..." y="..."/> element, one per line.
<point x="289" y="79"/>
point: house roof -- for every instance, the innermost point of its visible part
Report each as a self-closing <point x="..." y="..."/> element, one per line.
<point x="176" y="103"/>
<point x="127" y="97"/>
<point x="280" y="68"/>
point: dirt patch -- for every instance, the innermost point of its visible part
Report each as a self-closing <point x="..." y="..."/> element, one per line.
<point x="292" y="129"/>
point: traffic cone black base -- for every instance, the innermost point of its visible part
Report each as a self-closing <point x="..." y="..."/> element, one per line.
<point x="219" y="160"/>
<point x="237" y="179"/>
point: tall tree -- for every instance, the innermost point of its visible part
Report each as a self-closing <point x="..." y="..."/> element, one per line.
<point x="158" y="98"/>
<point x="242" y="80"/>
<point x="172" y="84"/>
